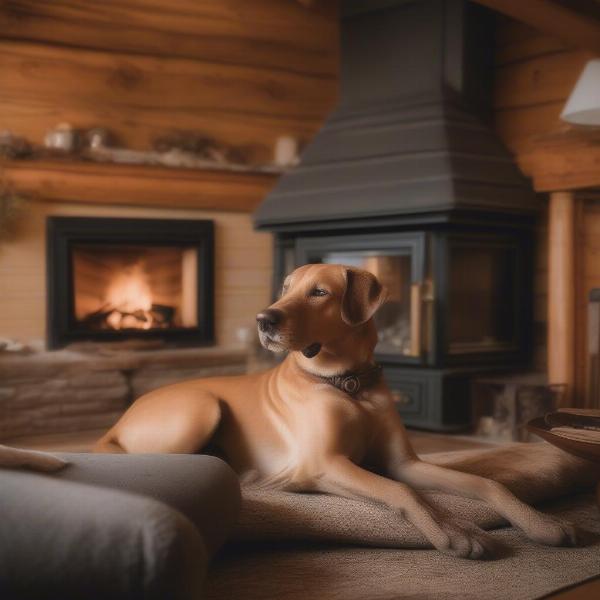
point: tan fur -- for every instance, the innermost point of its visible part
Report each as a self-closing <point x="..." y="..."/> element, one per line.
<point x="15" y="458"/>
<point x="287" y="429"/>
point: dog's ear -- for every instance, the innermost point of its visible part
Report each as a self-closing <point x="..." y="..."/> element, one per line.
<point x="362" y="297"/>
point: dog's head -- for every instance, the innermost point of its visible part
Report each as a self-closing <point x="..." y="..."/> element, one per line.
<point x="319" y="304"/>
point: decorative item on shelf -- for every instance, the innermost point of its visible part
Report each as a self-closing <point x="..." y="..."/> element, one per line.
<point x="14" y="147"/>
<point x="189" y="146"/>
<point x="63" y="138"/>
<point x="98" y="137"/>
<point x="177" y="150"/>
<point x="503" y="405"/>
<point x="286" y="151"/>
<point x="198" y="145"/>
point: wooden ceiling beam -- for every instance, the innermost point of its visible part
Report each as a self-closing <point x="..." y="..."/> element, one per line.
<point x="548" y="16"/>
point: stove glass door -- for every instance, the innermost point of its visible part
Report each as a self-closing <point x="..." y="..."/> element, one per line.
<point x="398" y="263"/>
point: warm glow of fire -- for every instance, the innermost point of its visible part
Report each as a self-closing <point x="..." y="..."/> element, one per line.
<point x="130" y="295"/>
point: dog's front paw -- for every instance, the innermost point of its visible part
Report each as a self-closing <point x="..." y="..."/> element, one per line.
<point x="466" y="540"/>
<point x="552" y="532"/>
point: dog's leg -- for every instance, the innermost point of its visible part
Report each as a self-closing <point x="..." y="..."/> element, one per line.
<point x="15" y="458"/>
<point x="342" y="477"/>
<point x="108" y="445"/>
<point x="181" y="423"/>
<point x="536" y="525"/>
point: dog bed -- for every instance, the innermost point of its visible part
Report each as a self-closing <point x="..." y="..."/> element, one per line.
<point x="296" y="546"/>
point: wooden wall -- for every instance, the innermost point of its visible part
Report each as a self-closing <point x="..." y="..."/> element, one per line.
<point x="241" y="72"/>
<point x="534" y="76"/>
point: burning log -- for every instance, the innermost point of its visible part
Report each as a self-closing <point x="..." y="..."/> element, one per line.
<point x="109" y="316"/>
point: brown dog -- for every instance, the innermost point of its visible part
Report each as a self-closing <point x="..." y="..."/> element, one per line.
<point x="323" y="420"/>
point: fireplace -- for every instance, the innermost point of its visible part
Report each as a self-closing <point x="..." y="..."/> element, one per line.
<point x="114" y="279"/>
<point x="407" y="179"/>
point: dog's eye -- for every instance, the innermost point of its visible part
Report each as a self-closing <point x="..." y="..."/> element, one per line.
<point x="318" y="292"/>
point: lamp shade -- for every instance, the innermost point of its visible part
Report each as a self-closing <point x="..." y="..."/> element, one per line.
<point x="583" y="105"/>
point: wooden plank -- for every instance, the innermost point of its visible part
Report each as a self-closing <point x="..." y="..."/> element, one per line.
<point x="516" y="41"/>
<point x="53" y="76"/>
<point x="509" y="31"/>
<point x="563" y="162"/>
<point x="517" y="126"/>
<point x="266" y="33"/>
<point x="561" y="291"/>
<point x="541" y="80"/>
<point x="582" y="31"/>
<point x="141" y="99"/>
<point x="536" y="45"/>
<point x="138" y="186"/>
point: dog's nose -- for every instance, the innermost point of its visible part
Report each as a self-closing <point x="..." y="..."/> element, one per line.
<point x="268" y="319"/>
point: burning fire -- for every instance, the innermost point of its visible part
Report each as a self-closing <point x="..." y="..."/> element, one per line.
<point x="130" y="298"/>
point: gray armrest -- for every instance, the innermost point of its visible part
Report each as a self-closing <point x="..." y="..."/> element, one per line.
<point x="114" y="526"/>
<point x="67" y="540"/>
<point x="204" y="488"/>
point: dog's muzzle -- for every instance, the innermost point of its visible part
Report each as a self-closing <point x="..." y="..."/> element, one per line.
<point x="269" y="319"/>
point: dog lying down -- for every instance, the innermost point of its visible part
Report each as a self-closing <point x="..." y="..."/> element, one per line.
<point x="323" y="420"/>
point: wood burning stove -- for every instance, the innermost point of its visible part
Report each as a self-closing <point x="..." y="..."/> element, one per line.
<point x="113" y="279"/>
<point x="459" y="305"/>
<point x="407" y="179"/>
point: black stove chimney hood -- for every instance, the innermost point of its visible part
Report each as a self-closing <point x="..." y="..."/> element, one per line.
<point x="411" y="134"/>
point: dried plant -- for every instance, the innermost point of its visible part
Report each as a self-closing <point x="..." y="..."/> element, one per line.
<point x="12" y="207"/>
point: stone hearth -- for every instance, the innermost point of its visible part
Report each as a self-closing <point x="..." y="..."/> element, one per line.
<point x="75" y="390"/>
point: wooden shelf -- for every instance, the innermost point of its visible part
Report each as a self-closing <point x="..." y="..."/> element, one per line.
<point x="137" y="185"/>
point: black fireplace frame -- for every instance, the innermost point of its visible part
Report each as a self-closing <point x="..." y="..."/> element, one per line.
<point x="63" y="232"/>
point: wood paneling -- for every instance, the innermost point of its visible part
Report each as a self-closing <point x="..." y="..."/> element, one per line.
<point x="538" y="80"/>
<point x="273" y="34"/>
<point x="535" y="73"/>
<point x="141" y="97"/>
<point x="567" y="161"/>
<point x="52" y="74"/>
<point x="90" y="183"/>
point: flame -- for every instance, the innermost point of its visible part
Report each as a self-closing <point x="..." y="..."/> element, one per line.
<point x="130" y="295"/>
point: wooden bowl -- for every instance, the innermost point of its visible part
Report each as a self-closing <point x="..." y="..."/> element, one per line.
<point x="587" y="450"/>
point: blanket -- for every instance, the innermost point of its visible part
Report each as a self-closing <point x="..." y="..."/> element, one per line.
<point x="296" y="546"/>
<point x="534" y="472"/>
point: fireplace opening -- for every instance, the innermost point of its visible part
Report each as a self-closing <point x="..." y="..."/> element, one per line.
<point x="129" y="287"/>
<point x="113" y="279"/>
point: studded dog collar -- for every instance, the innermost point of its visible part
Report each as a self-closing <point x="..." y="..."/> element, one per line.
<point x="353" y="382"/>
